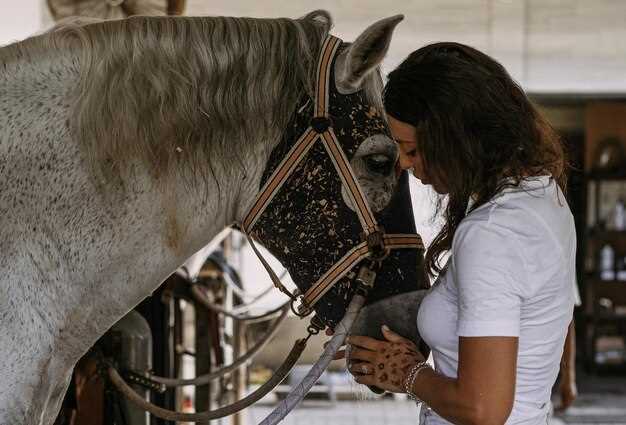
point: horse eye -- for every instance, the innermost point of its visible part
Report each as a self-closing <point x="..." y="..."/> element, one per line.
<point x="379" y="164"/>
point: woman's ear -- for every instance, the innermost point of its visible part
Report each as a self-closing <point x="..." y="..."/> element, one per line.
<point x="365" y="54"/>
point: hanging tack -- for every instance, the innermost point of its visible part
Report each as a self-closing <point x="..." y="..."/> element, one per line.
<point x="317" y="324"/>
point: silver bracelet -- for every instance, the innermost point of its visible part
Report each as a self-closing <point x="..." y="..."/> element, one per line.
<point x="410" y="380"/>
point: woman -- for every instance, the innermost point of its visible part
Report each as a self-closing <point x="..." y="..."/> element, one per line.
<point x="497" y="317"/>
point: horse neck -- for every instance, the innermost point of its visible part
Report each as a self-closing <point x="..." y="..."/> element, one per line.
<point x="76" y="256"/>
<point x="115" y="244"/>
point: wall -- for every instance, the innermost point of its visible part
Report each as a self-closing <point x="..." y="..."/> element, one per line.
<point x="550" y="46"/>
<point x="19" y="19"/>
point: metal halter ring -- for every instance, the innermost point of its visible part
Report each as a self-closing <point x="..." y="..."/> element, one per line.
<point x="376" y="245"/>
<point x="303" y="310"/>
<point x="320" y="124"/>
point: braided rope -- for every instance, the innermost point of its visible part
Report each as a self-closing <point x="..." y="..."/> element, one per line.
<point x="296" y="395"/>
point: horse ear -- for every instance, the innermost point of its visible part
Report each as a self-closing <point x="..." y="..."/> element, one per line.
<point x="365" y="54"/>
<point x="320" y="17"/>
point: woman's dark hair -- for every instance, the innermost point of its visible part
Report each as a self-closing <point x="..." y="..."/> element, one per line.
<point x="477" y="132"/>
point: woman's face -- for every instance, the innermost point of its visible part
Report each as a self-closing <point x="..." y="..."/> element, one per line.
<point x="410" y="158"/>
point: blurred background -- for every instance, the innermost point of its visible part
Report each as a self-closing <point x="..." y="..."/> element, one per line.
<point x="569" y="56"/>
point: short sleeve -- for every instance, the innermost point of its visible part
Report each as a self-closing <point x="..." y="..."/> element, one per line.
<point x="487" y="268"/>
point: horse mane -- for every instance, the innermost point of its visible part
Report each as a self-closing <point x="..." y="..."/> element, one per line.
<point x="188" y="93"/>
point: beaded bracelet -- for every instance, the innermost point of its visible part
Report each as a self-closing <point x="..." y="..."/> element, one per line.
<point x="410" y="380"/>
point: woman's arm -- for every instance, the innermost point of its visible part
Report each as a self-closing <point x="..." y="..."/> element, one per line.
<point x="484" y="390"/>
<point x="567" y="384"/>
<point x="482" y="394"/>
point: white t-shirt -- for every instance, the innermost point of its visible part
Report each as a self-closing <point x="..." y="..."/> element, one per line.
<point x="511" y="273"/>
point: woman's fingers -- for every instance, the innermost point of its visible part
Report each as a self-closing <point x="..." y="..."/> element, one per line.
<point x="341" y="354"/>
<point x="365" y="379"/>
<point x="364" y="342"/>
<point x="360" y="354"/>
<point x="361" y="368"/>
<point x="391" y="336"/>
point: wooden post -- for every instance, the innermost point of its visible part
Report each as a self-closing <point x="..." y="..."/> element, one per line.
<point x="203" y="357"/>
<point x="239" y="342"/>
<point x="239" y="377"/>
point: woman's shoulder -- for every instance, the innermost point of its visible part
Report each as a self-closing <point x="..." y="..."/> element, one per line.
<point x="534" y="209"/>
<point x="522" y="231"/>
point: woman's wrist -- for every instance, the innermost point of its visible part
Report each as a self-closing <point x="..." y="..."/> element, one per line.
<point x="411" y="378"/>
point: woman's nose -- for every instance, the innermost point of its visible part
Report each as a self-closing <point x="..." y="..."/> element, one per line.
<point x="405" y="162"/>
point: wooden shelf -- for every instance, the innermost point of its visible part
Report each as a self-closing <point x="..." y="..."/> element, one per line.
<point x="596" y="233"/>
<point x="597" y="281"/>
<point x="599" y="176"/>
<point x="598" y="321"/>
<point x="610" y="368"/>
<point x="608" y="317"/>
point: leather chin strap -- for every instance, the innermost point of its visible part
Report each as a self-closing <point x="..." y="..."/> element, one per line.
<point x="376" y="244"/>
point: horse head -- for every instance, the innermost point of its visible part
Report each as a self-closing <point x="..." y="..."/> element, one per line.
<point x="311" y="223"/>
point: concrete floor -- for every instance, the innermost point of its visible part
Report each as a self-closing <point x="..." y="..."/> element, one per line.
<point x="601" y="401"/>
<point x="596" y="409"/>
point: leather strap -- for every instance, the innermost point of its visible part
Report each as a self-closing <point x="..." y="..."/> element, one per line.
<point x="278" y="178"/>
<point x="349" y="180"/>
<point x="351" y="259"/>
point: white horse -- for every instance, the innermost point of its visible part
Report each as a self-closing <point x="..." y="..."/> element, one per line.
<point x="125" y="146"/>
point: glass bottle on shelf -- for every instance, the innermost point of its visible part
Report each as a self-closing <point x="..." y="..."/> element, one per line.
<point x="607" y="263"/>
<point x="621" y="269"/>
<point x="619" y="216"/>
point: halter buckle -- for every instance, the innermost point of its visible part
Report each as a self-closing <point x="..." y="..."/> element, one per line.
<point x="366" y="276"/>
<point x="376" y="245"/>
<point x="320" y="124"/>
<point x="302" y="310"/>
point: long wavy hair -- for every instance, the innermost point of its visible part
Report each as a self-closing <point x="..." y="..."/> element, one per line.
<point x="477" y="132"/>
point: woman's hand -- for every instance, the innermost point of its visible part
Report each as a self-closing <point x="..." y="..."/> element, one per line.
<point x="384" y="364"/>
<point x="568" y="391"/>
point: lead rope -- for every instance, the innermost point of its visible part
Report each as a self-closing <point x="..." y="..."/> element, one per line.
<point x="365" y="282"/>
<point x="298" y="392"/>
